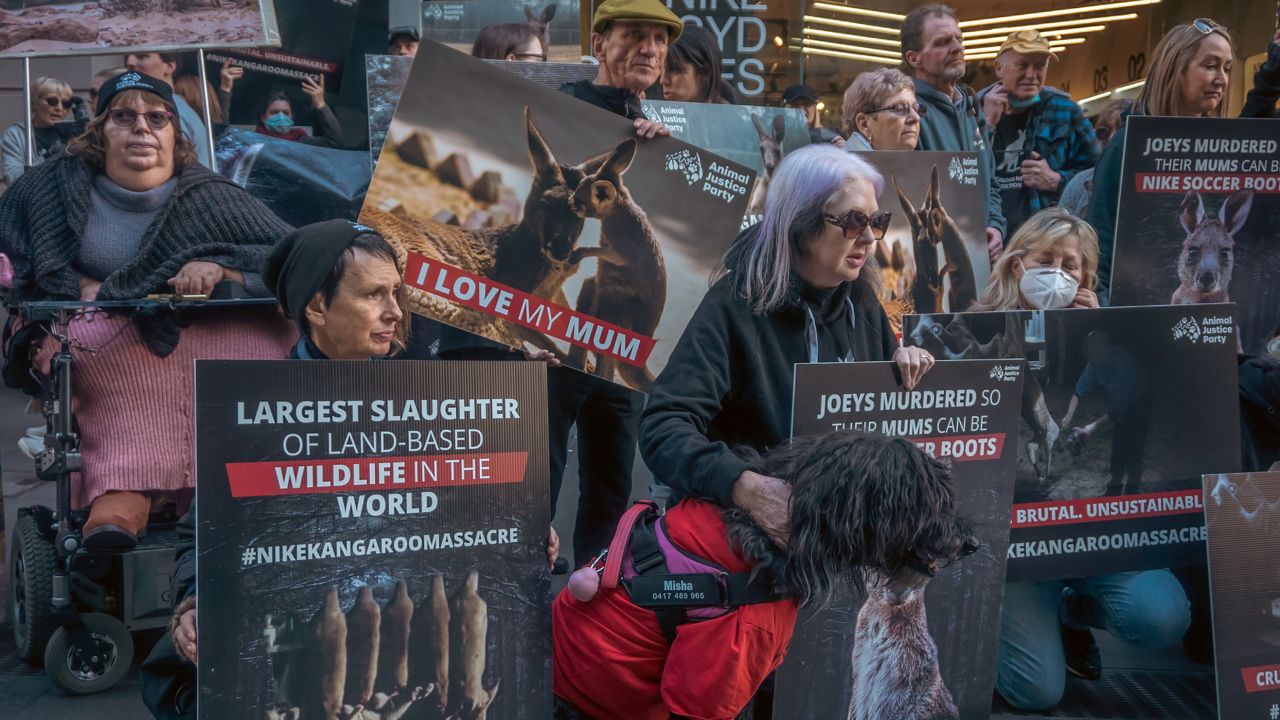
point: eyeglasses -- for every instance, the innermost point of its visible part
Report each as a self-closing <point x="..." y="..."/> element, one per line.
<point x="1205" y="25"/>
<point x="54" y="102"/>
<point x="900" y="109"/>
<point x="156" y="119"/>
<point x="856" y="222"/>
<point x="530" y="56"/>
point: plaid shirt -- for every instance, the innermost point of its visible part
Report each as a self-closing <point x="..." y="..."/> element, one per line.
<point x="1062" y="135"/>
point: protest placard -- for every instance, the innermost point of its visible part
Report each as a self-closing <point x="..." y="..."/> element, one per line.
<point x="927" y="266"/>
<point x="120" y="26"/>
<point x="549" y="225"/>
<point x="1242" y="514"/>
<point x="372" y="534"/>
<point x="965" y="412"/>
<point x="1199" y="218"/>
<point x="1123" y="410"/>
<point x="458" y="22"/>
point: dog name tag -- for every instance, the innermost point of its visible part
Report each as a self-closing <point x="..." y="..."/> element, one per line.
<point x="700" y="589"/>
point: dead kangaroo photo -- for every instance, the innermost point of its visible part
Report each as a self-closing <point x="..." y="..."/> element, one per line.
<point x="555" y="199"/>
<point x="423" y="660"/>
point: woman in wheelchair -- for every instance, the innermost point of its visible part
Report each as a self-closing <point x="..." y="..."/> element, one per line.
<point x="126" y="213"/>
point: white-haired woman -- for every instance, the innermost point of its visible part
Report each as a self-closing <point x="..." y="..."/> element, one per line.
<point x="799" y="287"/>
<point x="881" y="112"/>
<point x="51" y="104"/>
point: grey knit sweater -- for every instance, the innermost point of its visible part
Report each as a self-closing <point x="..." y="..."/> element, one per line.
<point x="44" y="215"/>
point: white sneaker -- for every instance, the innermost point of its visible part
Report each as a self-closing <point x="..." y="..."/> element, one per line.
<point x="31" y="447"/>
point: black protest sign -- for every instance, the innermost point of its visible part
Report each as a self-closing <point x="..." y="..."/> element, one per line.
<point x="1242" y="514"/>
<point x="315" y="41"/>
<point x="933" y="257"/>
<point x="548" y="225"/>
<point x="1199" y="218"/>
<point x="753" y="136"/>
<point x="372" y="534"/>
<point x="1123" y="409"/>
<point x="967" y="412"/>
<point x="34" y="28"/>
<point x="458" y="22"/>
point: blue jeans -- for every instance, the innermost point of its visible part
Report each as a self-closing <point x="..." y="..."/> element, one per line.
<point x="1147" y="609"/>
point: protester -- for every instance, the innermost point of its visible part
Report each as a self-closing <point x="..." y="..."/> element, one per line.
<point x="403" y="41"/>
<point x="799" y="287"/>
<point x="1075" y="197"/>
<point x="509" y="41"/>
<point x="50" y="115"/>
<point x="163" y="66"/>
<point x="1259" y="380"/>
<point x="341" y="283"/>
<point x="933" y="49"/>
<point x="1262" y="98"/>
<point x="1051" y="263"/>
<point x="881" y="112"/>
<point x="1041" y="138"/>
<point x="1189" y="75"/>
<point x="228" y="74"/>
<point x="276" y="117"/>
<point x="126" y="213"/>
<point x="803" y="97"/>
<point x="692" y="72"/>
<point x="99" y="78"/>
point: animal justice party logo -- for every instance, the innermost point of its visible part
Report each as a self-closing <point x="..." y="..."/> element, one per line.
<point x="1207" y="331"/>
<point x="717" y="180"/>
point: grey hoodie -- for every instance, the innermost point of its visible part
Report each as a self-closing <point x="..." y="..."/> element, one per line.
<point x="951" y="127"/>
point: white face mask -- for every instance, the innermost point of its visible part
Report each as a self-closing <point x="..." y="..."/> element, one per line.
<point x="1047" y="288"/>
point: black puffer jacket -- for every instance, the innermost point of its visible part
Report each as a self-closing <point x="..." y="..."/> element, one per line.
<point x="1259" y="412"/>
<point x="729" y="380"/>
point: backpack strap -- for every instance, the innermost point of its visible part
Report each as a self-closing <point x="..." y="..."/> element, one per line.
<point x="622" y="539"/>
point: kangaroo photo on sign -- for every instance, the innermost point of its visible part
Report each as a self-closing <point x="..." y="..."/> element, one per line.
<point x="371" y="540"/>
<point x="757" y="137"/>
<point x="1199" y="219"/>
<point x="547" y="224"/>
<point x="555" y="24"/>
<point x="1123" y="409"/>
<point x="36" y="28"/>
<point x="1242" y="513"/>
<point x="921" y="641"/>
<point x="933" y="257"/>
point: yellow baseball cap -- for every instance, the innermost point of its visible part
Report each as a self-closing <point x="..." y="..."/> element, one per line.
<point x="1028" y="42"/>
<point x="653" y="11"/>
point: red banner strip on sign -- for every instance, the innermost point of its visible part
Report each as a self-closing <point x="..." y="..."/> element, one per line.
<point x="494" y="298"/>
<point x="963" y="448"/>
<point x="309" y="477"/>
<point x="1261" y="678"/>
<point x="1100" y="509"/>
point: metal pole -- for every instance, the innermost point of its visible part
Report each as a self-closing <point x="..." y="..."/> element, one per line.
<point x="208" y="118"/>
<point x="26" y="104"/>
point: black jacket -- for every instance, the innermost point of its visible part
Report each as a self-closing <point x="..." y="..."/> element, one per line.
<point x="618" y="101"/>
<point x="1259" y="413"/>
<point x="729" y="380"/>
<point x="1261" y="100"/>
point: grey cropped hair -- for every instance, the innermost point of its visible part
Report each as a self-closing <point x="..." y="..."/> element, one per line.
<point x="799" y="191"/>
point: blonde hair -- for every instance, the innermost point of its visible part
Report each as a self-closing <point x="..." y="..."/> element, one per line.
<point x="1162" y="95"/>
<point x="46" y="86"/>
<point x="1042" y="231"/>
<point x="871" y="90"/>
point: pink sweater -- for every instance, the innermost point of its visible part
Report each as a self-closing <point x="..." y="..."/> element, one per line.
<point x="136" y="411"/>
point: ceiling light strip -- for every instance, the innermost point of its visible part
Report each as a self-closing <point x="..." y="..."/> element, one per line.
<point x="851" y="25"/>
<point x="859" y="11"/>
<point x="807" y="42"/>
<point x="1078" y="10"/>
<point x="1053" y="37"/>
<point x="847" y="36"/>
<point x="848" y="56"/>
<point x="1050" y="25"/>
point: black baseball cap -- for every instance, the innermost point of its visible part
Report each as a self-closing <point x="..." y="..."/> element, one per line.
<point x="132" y="80"/>
<point x="799" y="93"/>
<point x="408" y="30"/>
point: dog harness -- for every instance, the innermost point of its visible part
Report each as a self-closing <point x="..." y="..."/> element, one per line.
<point x="677" y="586"/>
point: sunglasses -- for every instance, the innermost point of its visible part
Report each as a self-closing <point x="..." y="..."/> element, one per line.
<point x="156" y="119"/>
<point x="856" y="222"/>
<point x="900" y="109"/>
<point x="1205" y="25"/>
<point x="54" y="102"/>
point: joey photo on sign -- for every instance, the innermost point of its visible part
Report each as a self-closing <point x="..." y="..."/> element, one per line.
<point x="554" y="24"/>
<point x="45" y="27"/>
<point x="1199" y="218"/>
<point x="933" y="256"/>
<point x="1122" y="408"/>
<point x="922" y="646"/>
<point x="549" y="225"/>
<point x="375" y="535"/>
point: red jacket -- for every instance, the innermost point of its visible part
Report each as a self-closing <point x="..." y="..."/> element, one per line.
<point x="611" y="660"/>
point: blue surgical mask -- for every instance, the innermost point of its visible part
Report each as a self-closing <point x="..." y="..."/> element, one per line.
<point x="279" y="122"/>
<point x="1017" y="104"/>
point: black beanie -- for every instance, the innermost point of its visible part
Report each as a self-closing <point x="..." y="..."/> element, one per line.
<point x="297" y="266"/>
<point x="132" y="80"/>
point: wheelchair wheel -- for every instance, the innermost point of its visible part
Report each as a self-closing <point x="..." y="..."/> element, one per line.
<point x="31" y="564"/>
<point x="82" y="673"/>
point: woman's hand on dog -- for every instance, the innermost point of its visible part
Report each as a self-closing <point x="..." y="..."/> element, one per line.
<point x="768" y="501"/>
<point x="914" y="362"/>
